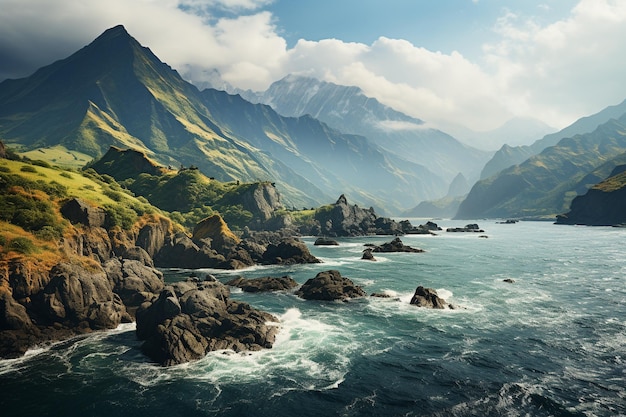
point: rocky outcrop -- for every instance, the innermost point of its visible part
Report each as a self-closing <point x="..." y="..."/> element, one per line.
<point x="264" y="284"/>
<point x="428" y="298"/>
<point x="603" y="205"/>
<point x="471" y="228"/>
<point x="324" y="241"/>
<point x="133" y="281"/>
<point x="191" y="318"/>
<point x="396" y="245"/>
<point x="3" y="150"/>
<point x="342" y="219"/>
<point x="368" y="255"/>
<point x="78" y="211"/>
<point x="289" y="251"/>
<point x="328" y="286"/>
<point x="262" y="200"/>
<point x="216" y="233"/>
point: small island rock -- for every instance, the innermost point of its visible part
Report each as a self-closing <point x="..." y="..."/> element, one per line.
<point x="329" y="285"/>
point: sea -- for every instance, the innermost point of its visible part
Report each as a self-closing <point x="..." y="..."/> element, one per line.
<point x="550" y="343"/>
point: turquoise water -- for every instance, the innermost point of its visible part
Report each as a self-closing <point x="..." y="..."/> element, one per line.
<point x="551" y="344"/>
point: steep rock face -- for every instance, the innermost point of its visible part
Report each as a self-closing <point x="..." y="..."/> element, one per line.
<point x="76" y="297"/>
<point x="215" y="229"/>
<point x="262" y="200"/>
<point x="189" y="319"/>
<point x="78" y="211"/>
<point x="603" y="205"/>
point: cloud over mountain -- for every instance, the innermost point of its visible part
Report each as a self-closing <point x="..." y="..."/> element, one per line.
<point x="555" y="71"/>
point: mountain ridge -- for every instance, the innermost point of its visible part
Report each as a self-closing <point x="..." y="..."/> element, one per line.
<point x="115" y="92"/>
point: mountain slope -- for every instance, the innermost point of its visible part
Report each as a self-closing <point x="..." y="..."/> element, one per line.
<point x="545" y="184"/>
<point x="603" y="205"/>
<point x="114" y="92"/>
<point x="508" y="156"/>
<point x="349" y="110"/>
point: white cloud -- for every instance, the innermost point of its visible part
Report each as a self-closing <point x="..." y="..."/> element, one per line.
<point x="555" y="72"/>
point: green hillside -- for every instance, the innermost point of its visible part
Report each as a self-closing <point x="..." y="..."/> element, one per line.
<point x="544" y="185"/>
<point x="115" y="92"/>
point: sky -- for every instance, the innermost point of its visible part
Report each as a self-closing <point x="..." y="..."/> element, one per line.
<point x="476" y="63"/>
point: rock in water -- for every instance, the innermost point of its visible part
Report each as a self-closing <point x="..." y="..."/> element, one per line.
<point x="264" y="284"/>
<point x="329" y="285"/>
<point x="289" y="251"/>
<point x="396" y="245"/>
<point x="427" y="297"/>
<point x="191" y="318"/>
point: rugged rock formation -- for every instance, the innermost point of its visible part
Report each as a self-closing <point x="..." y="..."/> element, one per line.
<point x="264" y="284"/>
<point x="341" y="219"/>
<point x="133" y="281"/>
<point x="3" y="150"/>
<point x="289" y="251"/>
<point x="396" y="245"/>
<point x="216" y="231"/>
<point x="191" y="318"/>
<point x="328" y="286"/>
<point x="427" y="297"/>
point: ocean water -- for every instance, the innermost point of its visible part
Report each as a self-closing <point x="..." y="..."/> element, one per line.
<point x="553" y="343"/>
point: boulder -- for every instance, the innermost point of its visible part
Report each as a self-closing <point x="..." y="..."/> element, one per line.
<point x="264" y="284"/>
<point x="367" y="255"/>
<point x="324" y="241"/>
<point x="288" y="251"/>
<point x="427" y="297"/>
<point x="396" y="245"/>
<point x="329" y="285"/>
<point x="191" y="318"/>
<point x="78" y="211"/>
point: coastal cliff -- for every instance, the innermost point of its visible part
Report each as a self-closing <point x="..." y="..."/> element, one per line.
<point x="603" y="205"/>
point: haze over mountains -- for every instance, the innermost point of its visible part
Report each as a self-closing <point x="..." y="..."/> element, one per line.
<point x="116" y="92"/>
<point x="315" y="140"/>
<point x="349" y="110"/>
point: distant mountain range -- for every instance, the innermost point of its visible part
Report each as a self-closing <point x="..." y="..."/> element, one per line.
<point x="545" y="184"/>
<point x="512" y="155"/>
<point x="116" y="92"/>
<point x="349" y="110"/>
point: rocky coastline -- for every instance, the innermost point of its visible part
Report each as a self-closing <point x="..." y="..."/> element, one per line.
<point x="105" y="276"/>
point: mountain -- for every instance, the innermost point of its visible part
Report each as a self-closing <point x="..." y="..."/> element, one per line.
<point x="603" y="205"/>
<point x="512" y="155"/>
<point x="349" y="110"/>
<point x="545" y="184"/>
<point x="115" y="92"/>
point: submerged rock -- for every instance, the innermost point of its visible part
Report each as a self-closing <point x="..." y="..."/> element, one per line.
<point x="329" y="285"/>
